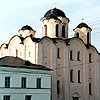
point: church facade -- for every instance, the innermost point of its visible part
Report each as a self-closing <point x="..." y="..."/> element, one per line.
<point x="75" y="61"/>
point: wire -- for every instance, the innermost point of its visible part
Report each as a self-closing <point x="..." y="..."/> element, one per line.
<point x="78" y="65"/>
<point x="94" y="22"/>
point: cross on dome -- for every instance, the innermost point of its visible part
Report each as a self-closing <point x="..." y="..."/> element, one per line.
<point x="54" y="3"/>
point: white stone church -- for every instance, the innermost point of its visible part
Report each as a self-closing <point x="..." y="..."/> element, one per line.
<point x="75" y="61"/>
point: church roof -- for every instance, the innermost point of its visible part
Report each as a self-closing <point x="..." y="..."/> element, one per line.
<point x="16" y="62"/>
<point x="26" y="27"/>
<point x="83" y="25"/>
<point x="54" y="13"/>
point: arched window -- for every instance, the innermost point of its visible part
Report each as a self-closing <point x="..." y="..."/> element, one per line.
<point x="57" y="30"/>
<point x="71" y="55"/>
<point x="78" y="56"/>
<point x="88" y="38"/>
<point x="63" y="31"/>
<point x="79" y="77"/>
<point x="90" y="88"/>
<point x="16" y="53"/>
<point x="58" y="88"/>
<point x="29" y="54"/>
<point x="58" y="53"/>
<point x="77" y="35"/>
<point x="90" y="57"/>
<point x="45" y="29"/>
<point x="71" y="76"/>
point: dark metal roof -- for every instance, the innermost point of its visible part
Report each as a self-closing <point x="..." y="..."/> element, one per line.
<point x="51" y="16"/>
<point x="54" y="13"/>
<point x="15" y="62"/>
<point x="83" y="25"/>
<point x="26" y="27"/>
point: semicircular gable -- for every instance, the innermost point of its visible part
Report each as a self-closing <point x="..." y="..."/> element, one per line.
<point x="46" y="39"/>
<point x="93" y="48"/>
<point x="4" y="45"/>
<point x="59" y="41"/>
<point x="3" y="49"/>
<point x="77" y="41"/>
<point x="27" y="39"/>
<point x="15" y="39"/>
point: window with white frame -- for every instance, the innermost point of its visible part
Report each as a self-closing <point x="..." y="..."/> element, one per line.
<point x="28" y="97"/>
<point x="6" y="97"/>
<point x="7" y="82"/>
<point x="23" y="82"/>
<point x="38" y="83"/>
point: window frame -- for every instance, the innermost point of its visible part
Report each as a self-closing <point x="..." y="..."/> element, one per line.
<point x="16" y="53"/>
<point x="90" y="57"/>
<point x="28" y="97"/>
<point x="71" y="55"/>
<point x="6" y="97"/>
<point x="63" y="31"/>
<point x="58" y="53"/>
<point x="77" y="35"/>
<point x="71" y="76"/>
<point x="90" y="88"/>
<point x="45" y="29"/>
<point x="57" y="30"/>
<point x="58" y="87"/>
<point x="79" y="76"/>
<point x="38" y="83"/>
<point x="23" y="82"/>
<point x="7" y="82"/>
<point x="78" y="56"/>
<point x="88" y="38"/>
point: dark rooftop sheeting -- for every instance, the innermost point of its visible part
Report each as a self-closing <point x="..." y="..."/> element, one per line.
<point x="83" y="25"/>
<point x="54" y="13"/>
<point x="26" y="27"/>
<point x="15" y="62"/>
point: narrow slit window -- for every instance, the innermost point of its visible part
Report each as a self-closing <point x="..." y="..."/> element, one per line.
<point x="79" y="78"/>
<point x="77" y="35"/>
<point x="88" y="38"/>
<point x="78" y="56"/>
<point x="57" y="30"/>
<point x="38" y="83"/>
<point x="58" y="88"/>
<point x="7" y="82"/>
<point x="23" y="82"/>
<point x="29" y="54"/>
<point x="58" y="53"/>
<point x="90" y="89"/>
<point x="63" y="31"/>
<point x="71" y="76"/>
<point x="45" y="29"/>
<point x="71" y="55"/>
<point x="16" y="53"/>
<point x="90" y="59"/>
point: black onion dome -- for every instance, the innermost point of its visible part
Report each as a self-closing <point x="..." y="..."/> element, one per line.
<point x="26" y="28"/>
<point x="54" y="13"/>
<point x="51" y="16"/>
<point x="83" y="25"/>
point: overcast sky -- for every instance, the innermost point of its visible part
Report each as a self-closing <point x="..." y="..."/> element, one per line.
<point x="16" y="13"/>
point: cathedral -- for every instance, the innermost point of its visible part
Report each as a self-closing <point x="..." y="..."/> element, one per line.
<point x="75" y="61"/>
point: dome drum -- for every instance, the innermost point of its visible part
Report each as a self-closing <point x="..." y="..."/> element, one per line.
<point x="27" y="31"/>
